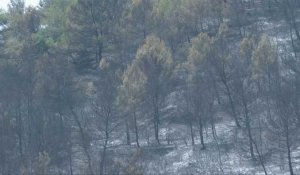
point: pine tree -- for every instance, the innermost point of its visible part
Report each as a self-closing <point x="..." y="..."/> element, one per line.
<point x="155" y="62"/>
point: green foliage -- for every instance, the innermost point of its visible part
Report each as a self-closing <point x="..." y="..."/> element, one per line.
<point x="83" y="36"/>
<point x="167" y="8"/>
<point x="223" y="30"/>
<point x="247" y="47"/>
<point x="3" y="17"/>
<point x="131" y="91"/>
<point x="264" y="56"/>
<point x="200" y="50"/>
<point x="141" y="17"/>
<point x="21" y="28"/>
<point x="154" y="60"/>
<point x="42" y="164"/>
<point x="16" y="19"/>
<point x="151" y="70"/>
<point x="54" y="22"/>
<point x="13" y="48"/>
<point x="91" y="26"/>
<point x="16" y="6"/>
<point x="109" y="79"/>
<point x="217" y="9"/>
<point x="199" y="57"/>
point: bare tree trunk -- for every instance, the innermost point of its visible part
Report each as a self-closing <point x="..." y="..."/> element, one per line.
<point x="201" y="132"/>
<point x="156" y="119"/>
<point x="248" y="127"/>
<point x="260" y="157"/>
<point x="219" y="155"/>
<point x="98" y="35"/>
<point x="228" y="92"/>
<point x="136" y="130"/>
<point x="213" y="130"/>
<point x="70" y="161"/>
<point x="192" y="133"/>
<point x="212" y="121"/>
<point x="216" y="91"/>
<point x="103" y="156"/>
<point x="127" y="133"/>
<point x="156" y="130"/>
<point x="84" y="141"/>
<point x="290" y="17"/>
<point x="289" y="149"/>
<point x="19" y="132"/>
<point x="30" y="132"/>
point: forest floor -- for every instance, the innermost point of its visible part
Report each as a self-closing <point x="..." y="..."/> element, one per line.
<point x="221" y="156"/>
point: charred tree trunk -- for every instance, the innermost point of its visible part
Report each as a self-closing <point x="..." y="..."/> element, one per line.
<point x="156" y="118"/>
<point x="192" y="133"/>
<point x="248" y="128"/>
<point x="288" y="146"/>
<point x="201" y="131"/>
<point x="127" y="133"/>
<point x="103" y="155"/>
<point x="70" y="161"/>
<point x="228" y="92"/>
<point x="84" y="141"/>
<point x="19" y="132"/>
<point x="260" y="157"/>
<point x="136" y="130"/>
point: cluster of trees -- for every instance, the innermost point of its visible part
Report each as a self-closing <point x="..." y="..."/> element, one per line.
<point x="77" y="76"/>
